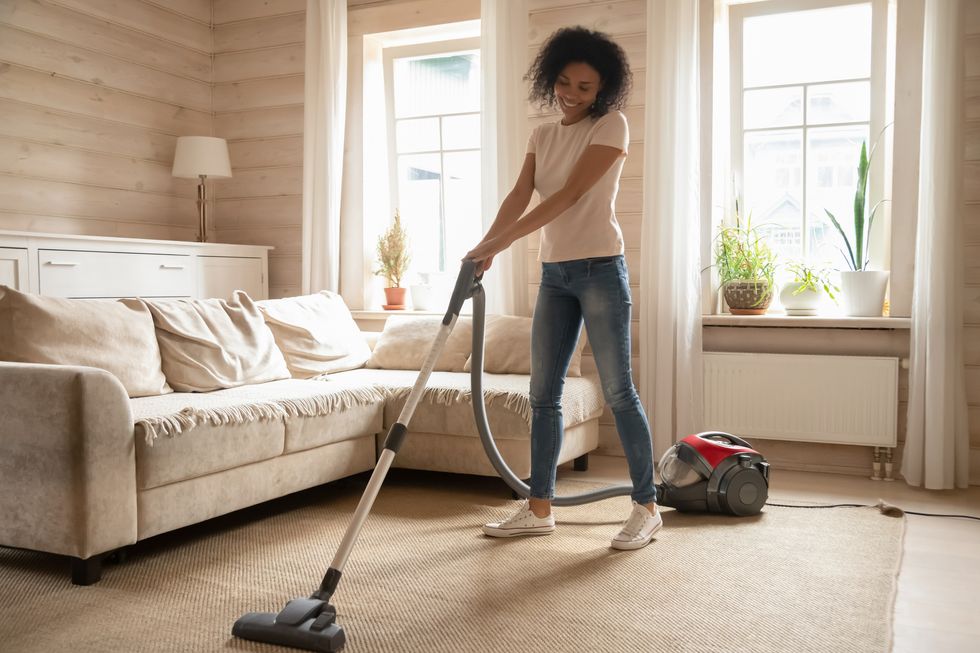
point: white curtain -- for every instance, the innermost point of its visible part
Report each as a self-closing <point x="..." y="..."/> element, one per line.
<point x="503" y="58"/>
<point x="937" y="444"/>
<point x="325" y="98"/>
<point x="670" y="310"/>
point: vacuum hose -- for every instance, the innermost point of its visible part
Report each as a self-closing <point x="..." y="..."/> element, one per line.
<point x="468" y="286"/>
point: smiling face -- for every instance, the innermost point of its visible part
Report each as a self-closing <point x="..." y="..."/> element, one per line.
<point x="575" y="90"/>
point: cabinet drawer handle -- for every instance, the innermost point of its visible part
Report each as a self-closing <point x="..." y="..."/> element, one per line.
<point x="164" y="266"/>
<point x="62" y="264"/>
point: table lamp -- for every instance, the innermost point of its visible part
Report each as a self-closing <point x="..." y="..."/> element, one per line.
<point x="201" y="157"/>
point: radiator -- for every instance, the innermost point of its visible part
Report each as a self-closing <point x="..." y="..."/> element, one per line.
<point x="803" y="398"/>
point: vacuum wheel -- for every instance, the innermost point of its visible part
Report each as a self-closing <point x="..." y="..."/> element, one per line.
<point x="746" y="493"/>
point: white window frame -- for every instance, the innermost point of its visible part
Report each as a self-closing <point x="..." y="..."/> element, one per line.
<point x="880" y="113"/>
<point x="414" y="50"/>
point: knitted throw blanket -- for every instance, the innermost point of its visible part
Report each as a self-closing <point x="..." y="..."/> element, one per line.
<point x="172" y="414"/>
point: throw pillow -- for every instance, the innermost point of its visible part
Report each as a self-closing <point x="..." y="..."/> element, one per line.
<point x="207" y="344"/>
<point x="507" y="347"/>
<point x="315" y="333"/>
<point x="116" y="336"/>
<point x="405" y="342"/>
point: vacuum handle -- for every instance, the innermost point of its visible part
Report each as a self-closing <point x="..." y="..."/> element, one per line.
<point x="732" y="439"/>
<point x="465" y="283"/>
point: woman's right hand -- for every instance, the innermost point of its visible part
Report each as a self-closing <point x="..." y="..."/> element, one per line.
<point x="483" y="254"/>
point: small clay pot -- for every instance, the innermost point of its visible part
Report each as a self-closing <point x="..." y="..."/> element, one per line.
<point x="395" y="298"/>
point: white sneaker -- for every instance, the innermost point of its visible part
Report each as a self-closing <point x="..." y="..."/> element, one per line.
<point x="522" y="522"/>
<point x="638" y="530"/>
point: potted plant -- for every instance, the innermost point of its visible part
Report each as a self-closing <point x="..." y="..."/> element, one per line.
<point x="746" y="268"/>
<point x="803" y="294"/>
<point x="393" y="257"/>
<point x="863" y="289"/>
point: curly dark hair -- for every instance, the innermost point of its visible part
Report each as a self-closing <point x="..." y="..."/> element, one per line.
<point x="579" y="44"/>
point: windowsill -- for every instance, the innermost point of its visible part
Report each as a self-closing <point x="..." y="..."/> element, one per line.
<point x="808" y="322"/>
<point x="380" y="314"/>
<point x="769" y="320"/>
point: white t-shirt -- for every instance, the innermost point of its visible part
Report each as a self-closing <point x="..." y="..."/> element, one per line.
<point x="589" y="228"/>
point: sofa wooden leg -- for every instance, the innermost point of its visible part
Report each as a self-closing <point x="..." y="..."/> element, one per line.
<point x="581" y="464"/>
<point x="87" y="571"/>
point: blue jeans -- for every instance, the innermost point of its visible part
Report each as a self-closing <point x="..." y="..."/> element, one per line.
<point x="595" y="291"/>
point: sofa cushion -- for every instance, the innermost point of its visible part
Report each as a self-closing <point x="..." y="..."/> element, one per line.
<point x="315" y="333"/>
<point x="507" y="347"/>
<point x="344" y="423"/>
<point x="206" y="449"/>
<point x="208" y="344"/>
<point x="113" y="335"/>
<point x="186" y="435"/>
<point x="506" y="396"/>
<point x="407" y="339"/>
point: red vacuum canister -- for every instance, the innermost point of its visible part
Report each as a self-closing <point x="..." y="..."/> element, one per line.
<point x="713" y="472"/>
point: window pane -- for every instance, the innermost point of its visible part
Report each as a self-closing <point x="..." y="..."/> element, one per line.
<point x="807" y="46"/>
<point x="827" y="103"/>
<point x="461" y="132"/>
<point x="434" y="84"/>
<point x="419" y="177"/>
<point x="463" y="224"/>
<point x="419" y="135"/>
<point x="778" y="107"/>
<point x="832" y="180"/>
<point x="773" y="179"/>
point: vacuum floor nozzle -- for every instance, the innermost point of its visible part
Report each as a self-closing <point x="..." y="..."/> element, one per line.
<point x="309" y="624"/>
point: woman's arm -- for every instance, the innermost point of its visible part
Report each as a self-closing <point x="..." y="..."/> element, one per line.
<point x="594" y="162"/>
<point x="516" y="201"/>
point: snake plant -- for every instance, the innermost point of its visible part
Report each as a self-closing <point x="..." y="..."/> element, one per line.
<point x="857" y="257"/>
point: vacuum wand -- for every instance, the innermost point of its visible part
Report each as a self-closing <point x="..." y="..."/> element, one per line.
<point x="466" y="283"/>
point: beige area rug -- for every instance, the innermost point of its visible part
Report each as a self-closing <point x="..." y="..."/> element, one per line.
<point x="423" y="578"/>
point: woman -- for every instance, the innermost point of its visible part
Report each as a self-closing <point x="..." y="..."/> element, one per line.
<point x="575" y="165"/>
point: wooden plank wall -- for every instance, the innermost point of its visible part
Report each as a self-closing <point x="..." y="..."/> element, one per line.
<point x="93" y="94"/>
<point x="625" y="22"/>
<point x="971" y="187"/>
<point x="258" y="107"/>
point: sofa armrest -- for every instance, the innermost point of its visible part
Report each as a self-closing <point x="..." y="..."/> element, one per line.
<point x="67" y="463"/>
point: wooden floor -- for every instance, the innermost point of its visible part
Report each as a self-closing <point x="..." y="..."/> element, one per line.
<point x="937" y="609"/>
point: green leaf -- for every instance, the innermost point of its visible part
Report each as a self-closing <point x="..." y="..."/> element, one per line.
<point x="859" y="207"/>
<point x="850" y="252"/>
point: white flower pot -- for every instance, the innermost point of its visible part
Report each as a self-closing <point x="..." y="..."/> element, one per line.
<point x="804" y="303"/>
<point x="863" y="292"/>
<point x="421" y="297"/>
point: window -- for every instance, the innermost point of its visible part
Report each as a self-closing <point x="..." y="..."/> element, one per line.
<point x="433" y="113"/>
<point x="804" y="94"/>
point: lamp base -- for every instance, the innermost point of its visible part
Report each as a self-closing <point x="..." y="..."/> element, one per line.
<point x="202" y="211"/>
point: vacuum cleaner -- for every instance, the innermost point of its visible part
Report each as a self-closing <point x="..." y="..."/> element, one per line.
<point x="714" y="472"/>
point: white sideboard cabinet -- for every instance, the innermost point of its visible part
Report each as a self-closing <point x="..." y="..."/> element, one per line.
<point x="13" y="267"/>
<point x="95" y="267"/>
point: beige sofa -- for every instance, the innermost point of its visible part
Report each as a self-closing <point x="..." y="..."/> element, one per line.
<point x="86" y="470"/>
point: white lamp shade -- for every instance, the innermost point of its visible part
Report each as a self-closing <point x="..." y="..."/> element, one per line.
<point x="201" y="155"/>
